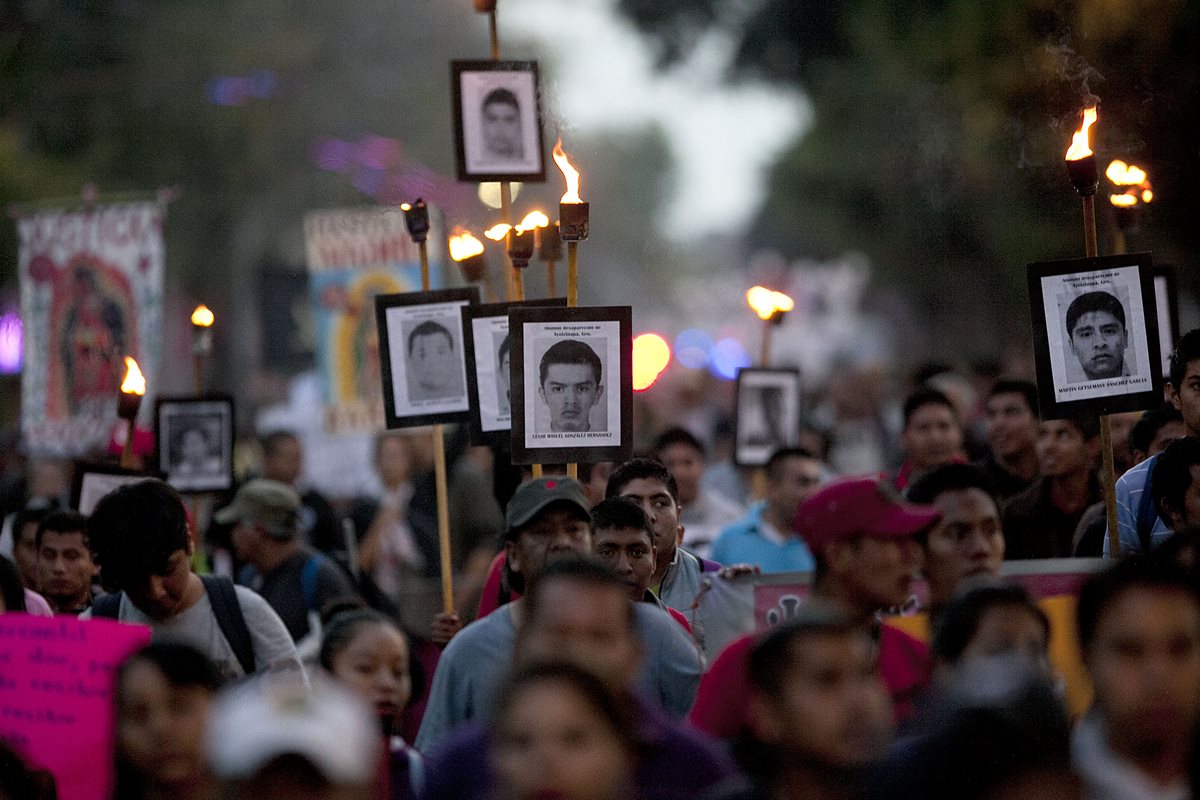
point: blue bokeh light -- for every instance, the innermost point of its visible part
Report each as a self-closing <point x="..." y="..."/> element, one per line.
<point x="693" y="348"/>
<point x="728" y="356"/>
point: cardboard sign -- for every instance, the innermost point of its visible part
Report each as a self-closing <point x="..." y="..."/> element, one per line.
<point x="56" y="682"/>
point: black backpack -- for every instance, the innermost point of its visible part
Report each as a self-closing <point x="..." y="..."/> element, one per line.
<point x="223" y="597"/>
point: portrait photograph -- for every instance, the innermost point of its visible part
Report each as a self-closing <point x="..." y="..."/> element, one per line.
<point x="571" y="377"/>
<point x="1096" y="337"/>
<point x="498" y="121"/>
<point x="489" y="360"/>
<point x="1166" y="299"/>
<point x="767" y="414"/>
<point x="194" y="440"/>
<point x="422" y="356"/>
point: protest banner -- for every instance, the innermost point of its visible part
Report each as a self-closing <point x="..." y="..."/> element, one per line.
<point x="56" y="683"/>
<point x="353" y="256"/>
<point x="91" y="294"/>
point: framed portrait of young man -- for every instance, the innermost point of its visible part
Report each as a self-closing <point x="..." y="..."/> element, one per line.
<point x="194" y="442"/>
<point x="489" y="371"/>
<point x="766" y="414"/>
<point x="422" y="356"/>
<point x="572" y="384"/>
<point x="1095" y="335"/>
<point x="1166" y="299"/>
<point x="498" y="121"/>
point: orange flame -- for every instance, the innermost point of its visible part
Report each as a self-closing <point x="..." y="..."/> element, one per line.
<point x="534" y="219"/>
<point x="406" y="206"/>
<point x="135" y="382"/>
<point x="1123" y="200"/>
<point x="1123" y="174"/>
<point x="463" y="245"/>
<point x="768" y="302"/>
<point x="1147" y="195"/>
<point x="202" y="317"/>
<point x="651" y="355"/>
<point x="569" y="173"/>
<point x="498" y="231"/>
<point x="1081" y="147"/>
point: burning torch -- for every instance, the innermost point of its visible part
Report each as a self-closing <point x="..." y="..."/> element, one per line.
<point x="202" y="342"/>
<point x="129" y="400"/>
<point x="573" y="216"/>
<point x="770" y="306"/>
<point x="1133" y="191"/>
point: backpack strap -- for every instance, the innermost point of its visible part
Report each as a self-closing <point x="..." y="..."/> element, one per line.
<point x="223" y="597"/>
<point x="107" y="606"/>
<point x="308" y="582"/>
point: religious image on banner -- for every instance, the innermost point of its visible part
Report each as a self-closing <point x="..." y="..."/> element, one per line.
<point x="91" y="294"/>
<point x="354" y="255"/>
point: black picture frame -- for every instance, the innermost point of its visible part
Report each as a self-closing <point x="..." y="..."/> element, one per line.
<point x="1166" y="298"/>
<point x="483" y="325"/>
<point x="410" y="401"/>
<point x="92" y="480"/>
<point x="766" y="413"/>
<point x="478" y="85"/>
<point x="1067" y="386"/>
<point x="544" y="436"/>
<point x="193" y="442"/>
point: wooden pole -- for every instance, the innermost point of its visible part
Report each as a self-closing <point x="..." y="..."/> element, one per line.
<point x="513" y="283"/>
<point x="551" y="279"/>
<point x="494" y="34"/>
<point x="1108" y="468"/>
<point x="573" y="302"/>
<point x="127" y="449"/>
<point x="764" y="357"/>
<point x="439" y="478"/>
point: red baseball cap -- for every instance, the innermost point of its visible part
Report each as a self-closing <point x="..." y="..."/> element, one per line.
<point x="860" y="506"/>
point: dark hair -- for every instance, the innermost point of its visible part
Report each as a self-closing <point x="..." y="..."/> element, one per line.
<point x="1186" y="351"/>
<point x="63" y="522"/>
<point x="501" y="95"/>
<point x="28" y="516"/>
<point x="950" y="478"/>
<point x="959" y="621"/>
<point x="637" y="469"/>
<point x="1182" y="548"/>
<point x="341" y="622"/>
<point x="1088" y="425"/>
<point x="1089" y="302"/>
<point x="429" y="328"/>
<point x="768" y="660"/>
<point x="926" y="397"/>
<point x="1142" y="434"/>
<point x="502" y="350"/>
<point x="1132" y="572"/>
<point x="1172" y="473"/>
<point x="134" y="530"/>
<point x="1027" y="390"/>
<point x="271" y="441"/>
<point x="570" y="351"/>
<point x="774" y="464"/>
<point x="621" y="513"/>
<point x="11" y="588"/>
<point x="617" y="712"/>
<point x="20" y="780"/>
<point x="682" y="436"/>
<point x="580" y="570"/>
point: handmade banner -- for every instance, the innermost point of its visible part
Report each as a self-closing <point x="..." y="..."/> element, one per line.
<point x="56" y="682"/>
<point x="91" y="294"/>
<point x="354" y="255"/>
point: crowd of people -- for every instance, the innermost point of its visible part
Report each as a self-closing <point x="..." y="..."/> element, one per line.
<point x="300" y="647"/>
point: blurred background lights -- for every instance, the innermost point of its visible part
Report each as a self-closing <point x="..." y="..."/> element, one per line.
<point x="489" y="193"/>
<point x="728" y="356"/>
<point x="651" y="355"/>
<point x="692" y="348"/>
<point x="10" y="344"/>
<point x="238" y="90"/>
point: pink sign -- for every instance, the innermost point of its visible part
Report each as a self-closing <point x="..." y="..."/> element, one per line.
<point x="56" y="676"/>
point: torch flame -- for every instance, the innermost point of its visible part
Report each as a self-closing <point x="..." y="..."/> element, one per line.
<point x="498" y="231"/>
<point x="1123" y="174"/>
<point x="534" y="219"/>
<point x="463" y="245"/>
<point x="1080" y="146"/>
<point x="406" y="206"/>
<point x="1147" y="195"/>
<point x="768" y="302"/>
<point x="202" y="317"/>
<point x="1123" y="200"/>
<point x="135" y="382"/>
<point x="569" y="173"/>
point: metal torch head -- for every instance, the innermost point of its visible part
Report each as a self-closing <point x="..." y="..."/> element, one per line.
<point x="520" y="247"/>
<point x="573" y="221"/>
<point x="1085" y="176"/>
<point x="473" y="268"/>
<point x="549" y="243"/>
<point x="416" y="218"/>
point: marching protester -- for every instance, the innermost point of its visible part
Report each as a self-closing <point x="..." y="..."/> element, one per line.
<point x="66" y="570"/>
<point x="547" y="520"/>
<point x="579" y="612"/>
<point x="294" y="578"/>
<point x="1012" y="431"/>
<point x="1175" y="483"/>
<point x="139" y="535"/>
<point x="932" y="435"/>
<point x="704" y="512"/>
<point x="283" y="461"/>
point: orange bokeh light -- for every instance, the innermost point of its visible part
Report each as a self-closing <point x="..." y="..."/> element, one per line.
<point x="651" y="355"/>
